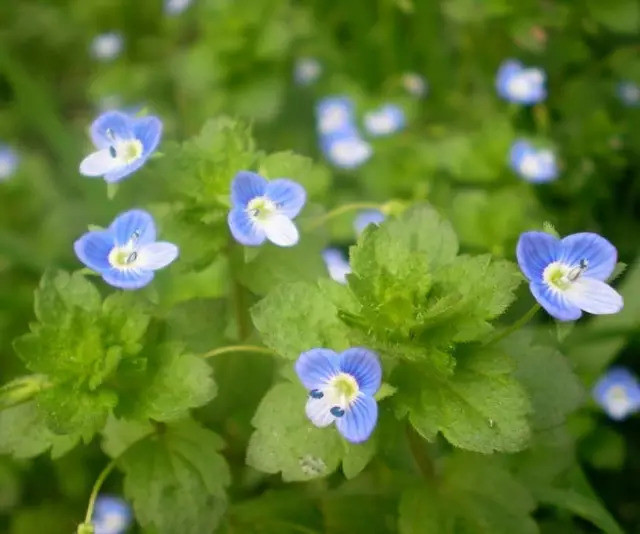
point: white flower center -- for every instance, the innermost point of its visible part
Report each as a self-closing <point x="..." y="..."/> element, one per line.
<point x="333" y="118"/>
<point x="261" y="208"/>
<point x="617" y="400"/>
<point x="125" y="257"/>
<point x="530" y="165"/>
<point x="560" y="276"/>
<point x="352" y="151"/>
<point x="381" y="123"/>
<point x="338" y="394"/>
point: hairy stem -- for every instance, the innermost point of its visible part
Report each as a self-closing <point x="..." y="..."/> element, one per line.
<point x="237" y="348"/>
<point x="96" y="489"/>
<point x="353" y="206"/>
<point x="515" y="326"/>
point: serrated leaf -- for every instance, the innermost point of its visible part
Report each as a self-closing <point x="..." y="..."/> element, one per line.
<point x="119" y="434"/>
<point x="58" y="292"/>
<point x="176" y="479"/>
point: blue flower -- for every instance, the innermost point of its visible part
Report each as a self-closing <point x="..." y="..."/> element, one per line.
<point x="629" y="93"/>
<point x="567" y="276"/>
<point x="345" y="148"/>
<point x="124" y="144"/>
<point x="175" y="7"/>
<point x="264" y="210"/>
<point x="107" y="46"/>
<point x="111" y="515"/>
<point x="516" y="83"/>
<point x="385" y="120"/>
<point x="306" y="70"/>
<point x="365" y="218"/>
<point x="126" y="254"/>
<point x="618" y="392"/>
<point x="8" y="162"/>
<point x="337" y="264"/>
<point x="341" y="389"/>
<point x="334" y="114"/>
<point x="534" y="165"/>
<point x="415" y="84"/>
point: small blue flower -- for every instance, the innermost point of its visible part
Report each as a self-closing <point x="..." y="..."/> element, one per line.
<point x="307" y="70"/>
<point x="334" y="114"/>
<point x="516" y="83"/>
<point x="175" y="7"/>
<point x="9" y="160"/>
<point x="337" y="264"/>
<point x="629" y="93"/>
<point x="534" y="165"/>
<point x="262" y="209"/>
<point x="126" y="254"/>
<point x="383" y="121"/>
<point x="618" y="392"/>
<point x="124" y="144"/>
<point x="414" y="84"/>
<point x="345" y="148"/>
<point x="365" y="218"/>
<point x="111" y="515"/>
<point x="341" y="389"/>
<point x="568" y="276"/>
<point x="107" y="46"/>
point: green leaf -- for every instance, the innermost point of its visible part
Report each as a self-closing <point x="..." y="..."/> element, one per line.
<point x="59" y="292"/>
<point x="420" y="512"/>
<point x="289" y="328"/>
<point x="313" y="178"/>
<point x="24" y="433"/>
<point x="119" y="434"/>
<point x="176" y="479"/>
<point x="481" y="407"/>
<point x="358" y="456"/>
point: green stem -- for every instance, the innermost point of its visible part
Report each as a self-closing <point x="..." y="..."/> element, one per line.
<point x="419" y="452"/>
<point x="515" y="326"/>
<point x="319" y="221"/>
<point x="237" y="348"/>
<point x="96" y="489"/>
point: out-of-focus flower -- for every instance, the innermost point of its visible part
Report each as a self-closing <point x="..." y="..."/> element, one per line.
<point x="414" y="84"/>
<point x="111" y="515"/>
<point x="124" y="144"/>
<point x="126" y="254"/>
<point x="9" y="161"/>
<point x="334" y="114"/>
<point x="307" y="70"/>
<point x="568" y="276"/>
<point x="532" y="164"/>
<point x="629" y="93"/>
<point x="516" y="83"/>
<point x="175" y="7"/>
<point x="365" y="218"/>
<point x="618" y="392"/>
<point x="262" y="210"/>
<point x="107" y="46"/>
<point x="337" y="264"/>
<point x="345" y="148"/>
<point x="384" y="121"/>
<point x="341" y="389"/>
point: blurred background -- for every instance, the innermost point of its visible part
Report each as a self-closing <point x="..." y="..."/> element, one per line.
<point x="270" y="62"/>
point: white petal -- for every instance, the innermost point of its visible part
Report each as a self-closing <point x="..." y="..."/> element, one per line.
<point x="280" y="230"/>
<point x="594" y="296"/>
<point x="99" y="163"/>
<point x="319" y="411"/>
<point x="156" y="256"/>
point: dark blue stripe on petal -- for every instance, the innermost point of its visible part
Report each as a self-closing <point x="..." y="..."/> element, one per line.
<point x="535" y="251"/>
<point x="244" y="231"/>
<point x="364" y="366"/>
<point x="360" y="419"/>
<point x="315" y="367"/>
<point x="600" y="253"/>
<point x="554" y="302"/>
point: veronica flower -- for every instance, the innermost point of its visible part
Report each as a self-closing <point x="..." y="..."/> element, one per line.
<point x="618" y="392"/>
<point x="516" y="83"/>
<point x="334" y="114"/>
<point x="365" y="218"/>
<point x="8" y="162"/>
<point x="124" y="144"/>
<point x="629" y="93"/>
<point x="414" y="84"/>
<point x="262" y="210"/>
<point x="345" y="148"/>
<point x="175" y="7"/>
<point x="337" y="264"/>
<point x="107" y="46"/>
<point x="126" y="254"/>
<point x="306" y="70"/>
<point x="567" y="276"/>
<point x="534" y="165"/>
<point x="111" y="515"/>
<point x="385" y="120"/>
<point x="341" y="389"/>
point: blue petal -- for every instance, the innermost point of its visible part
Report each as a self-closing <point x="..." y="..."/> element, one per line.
<point x="364" y="366"/>
<point x="616" y="376"/>
<point x="316" y="367"/>
<point x="519" y="150"/>
<point x="127" y="278"/>
<point x="148" y="131"/>
<point x="289" y="196"/>
<point x="107" y="504"/>
<point x="133" y="223"/>
<point x="367" y="217"/>
<point x="93" y="249"/>
<point x="334" y="114"/>
<point x="359" y="420"/>
<point x="243" y="230"/>
<point x="600" y="254"/>
<point x="554" y="302"/>
<point x="245" y="187"/>
<point x="507" y="70"/>
<point x="119" y="123"/>
<point x="535" y="251"/>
